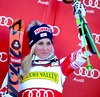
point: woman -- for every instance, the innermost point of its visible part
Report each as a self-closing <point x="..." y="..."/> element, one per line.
<point x="42" y="74"/>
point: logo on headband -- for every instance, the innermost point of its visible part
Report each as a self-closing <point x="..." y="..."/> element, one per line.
<point x="41" y="29"/>
<point x="43" y="34"/>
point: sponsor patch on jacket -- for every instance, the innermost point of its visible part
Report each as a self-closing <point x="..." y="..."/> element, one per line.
<point x="52" y="76"/>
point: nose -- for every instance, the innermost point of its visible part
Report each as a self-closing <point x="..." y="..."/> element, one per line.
<point x="45" y="47"/>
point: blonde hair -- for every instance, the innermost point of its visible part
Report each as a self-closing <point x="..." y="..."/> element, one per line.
<point x="27" y="62"/>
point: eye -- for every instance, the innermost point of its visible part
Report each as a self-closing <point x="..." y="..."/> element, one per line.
<point x="40" y="43"/>
<point x="48" y="43"/>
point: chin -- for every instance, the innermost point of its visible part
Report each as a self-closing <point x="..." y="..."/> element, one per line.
<point x="42" y="57"/>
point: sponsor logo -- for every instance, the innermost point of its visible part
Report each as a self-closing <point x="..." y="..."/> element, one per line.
<point x="92" y="3"/>
<point x="16" y="45"/>
<point x="43" y="34"/>
<point x="83" y="72"/>
<point x="95" y="36"/>
<point x="41" y="30"/>
<point x="5" y="21"/>
<point x="15" y="60"/>
<point x="3" y="57"/>
<point x="79" y="80"/>
<point x="38" y="93"/>
<point x="43" y="2"/>
<point x="55" y="30"/>
<point x="41" y="75"/>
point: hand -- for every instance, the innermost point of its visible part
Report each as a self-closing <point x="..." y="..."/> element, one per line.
<point x="79" y="7"/>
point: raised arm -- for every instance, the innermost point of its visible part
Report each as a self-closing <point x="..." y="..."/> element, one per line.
<point x="76" y="59"/>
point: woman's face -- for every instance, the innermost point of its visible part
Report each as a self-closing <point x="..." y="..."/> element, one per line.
<point x="44" y="48"/>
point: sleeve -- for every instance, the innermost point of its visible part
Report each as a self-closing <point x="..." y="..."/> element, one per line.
<point x="74" y="61"/>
